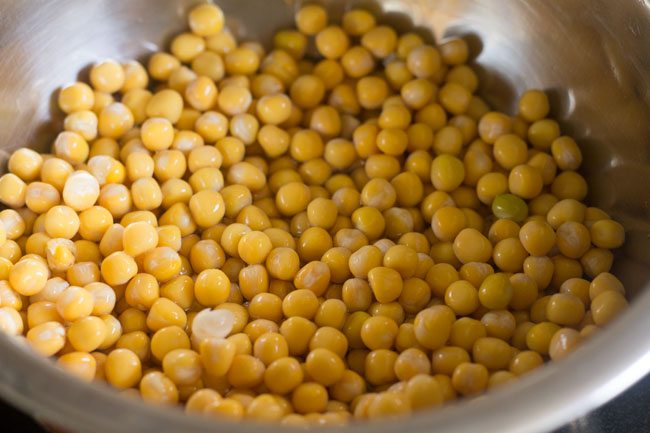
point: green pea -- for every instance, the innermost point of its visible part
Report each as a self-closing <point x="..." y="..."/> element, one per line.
<point x="509" y="206"/>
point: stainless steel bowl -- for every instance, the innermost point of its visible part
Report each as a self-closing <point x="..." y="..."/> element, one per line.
<point x="592" y="56"/>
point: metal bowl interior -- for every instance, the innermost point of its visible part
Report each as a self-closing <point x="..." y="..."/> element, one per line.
<point x="592" y="58"/>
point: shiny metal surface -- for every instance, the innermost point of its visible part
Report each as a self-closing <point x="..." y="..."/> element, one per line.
<point x="592" y="56"/>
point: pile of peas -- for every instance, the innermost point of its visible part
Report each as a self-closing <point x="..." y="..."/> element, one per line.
<point x="305" y="240"/>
